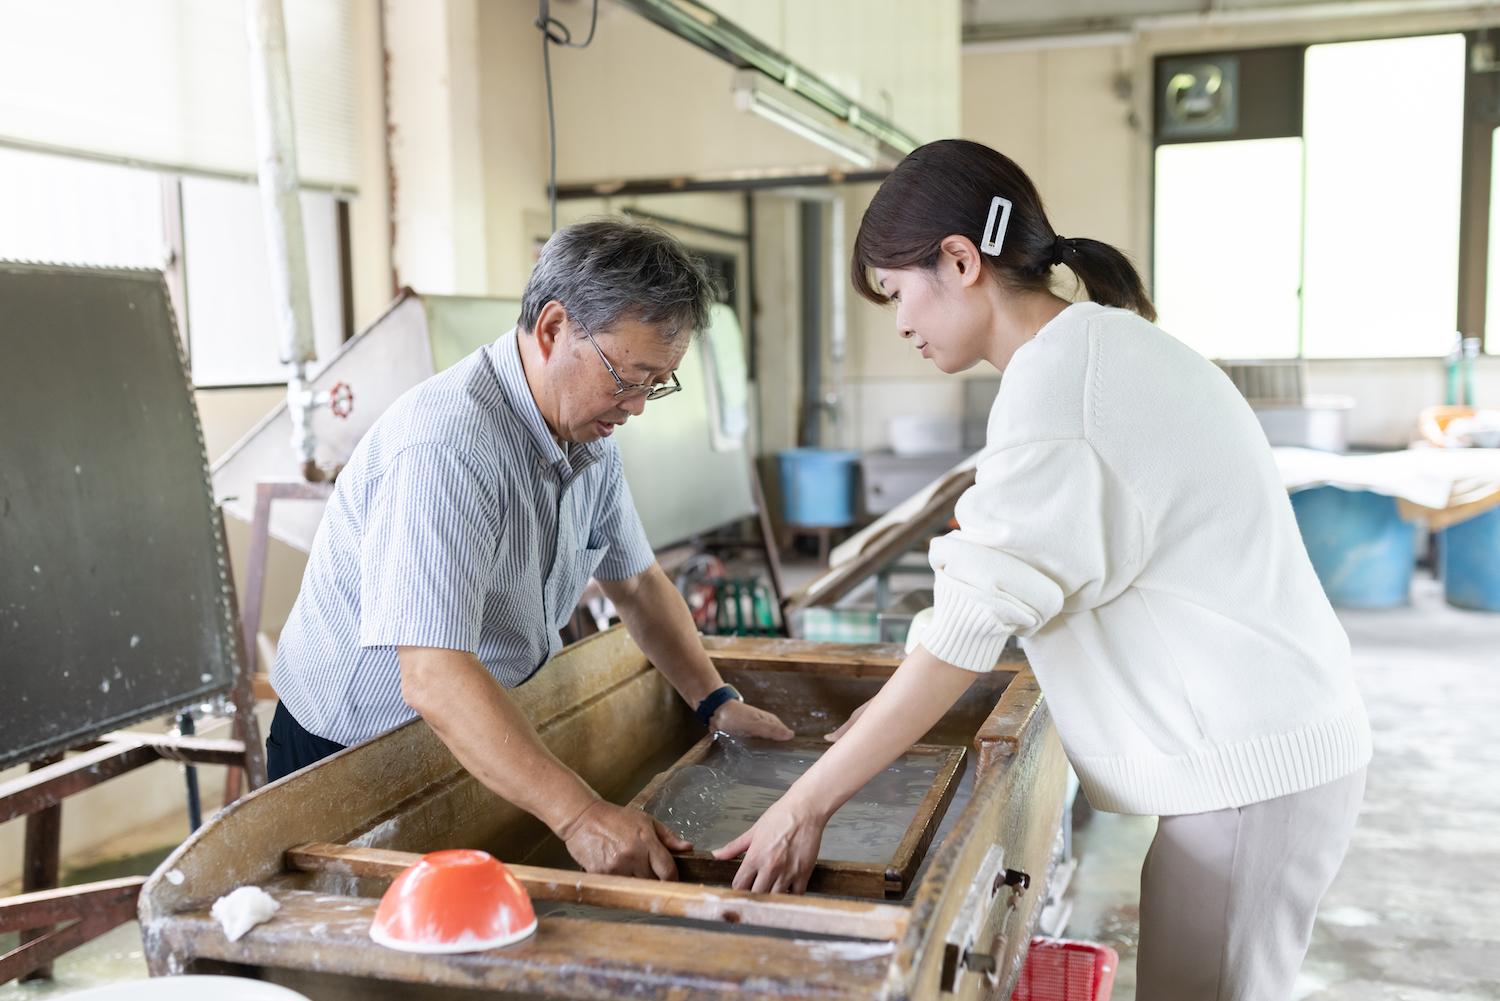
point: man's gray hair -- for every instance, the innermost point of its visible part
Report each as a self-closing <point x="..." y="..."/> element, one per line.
<point x="607" y="270"/>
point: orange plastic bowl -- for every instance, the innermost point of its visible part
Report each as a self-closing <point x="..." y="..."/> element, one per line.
<point x="454" y="901"/>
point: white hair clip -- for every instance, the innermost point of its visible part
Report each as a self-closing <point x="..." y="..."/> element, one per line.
<point x="994" y="234"/>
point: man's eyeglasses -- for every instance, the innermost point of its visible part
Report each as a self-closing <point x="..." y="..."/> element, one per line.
<point x="649" y="390"/>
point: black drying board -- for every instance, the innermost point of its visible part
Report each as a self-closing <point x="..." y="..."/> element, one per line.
<point x="114" y="597"/>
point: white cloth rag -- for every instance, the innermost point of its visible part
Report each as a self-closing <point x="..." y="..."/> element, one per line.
<point x="242" y="910"/>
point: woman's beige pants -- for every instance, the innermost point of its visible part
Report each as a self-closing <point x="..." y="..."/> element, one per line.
<point x="1228" y="898"/>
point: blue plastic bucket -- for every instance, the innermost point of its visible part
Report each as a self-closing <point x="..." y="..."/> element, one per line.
<point x="1471" y="562"/>
<point x="817" y="487"/>
<point x="1362" y="549"/>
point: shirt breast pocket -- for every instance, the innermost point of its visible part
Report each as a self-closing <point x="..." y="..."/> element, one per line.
<point x="570" y="582"/>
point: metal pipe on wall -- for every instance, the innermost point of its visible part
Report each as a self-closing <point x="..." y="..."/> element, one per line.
<point x="838" y="340"/>
<point x="810" y="231"/>
<point x="276" y="147"/>
<point x="831" y="397"/>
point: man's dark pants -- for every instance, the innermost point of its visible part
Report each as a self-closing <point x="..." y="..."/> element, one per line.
<point x="290" y="747"/>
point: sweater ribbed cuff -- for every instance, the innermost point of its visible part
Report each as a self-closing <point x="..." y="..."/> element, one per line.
<point x="963" y="631"/>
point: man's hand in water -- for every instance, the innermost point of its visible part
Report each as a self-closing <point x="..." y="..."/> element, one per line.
<point x="739" y="719"/>
<point x="625" y="842"/>
<point x="780" y="849"/>
<point x="659" y="621"/>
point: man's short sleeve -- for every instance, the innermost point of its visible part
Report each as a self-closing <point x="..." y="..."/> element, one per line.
<point x="618" y="529"/>
<point x="427" y="552"/>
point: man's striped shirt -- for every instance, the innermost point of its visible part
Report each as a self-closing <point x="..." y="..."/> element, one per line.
<point x="459" y="522"/>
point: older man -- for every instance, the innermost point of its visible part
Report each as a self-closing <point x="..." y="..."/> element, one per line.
<point x="467" y="523"/>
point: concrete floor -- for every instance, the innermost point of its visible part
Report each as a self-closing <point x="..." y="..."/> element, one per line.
<point x="1415" y="912"/>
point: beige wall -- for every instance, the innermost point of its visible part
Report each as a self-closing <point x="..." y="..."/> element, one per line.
<point x="512" y="142"/>
<point x="369" y="211"/>
<point x="433" y="53"/>
<point x="641" y="103"/>
<point x="1059" y="114"/>
<point x="227" y="414"/>
<point x="468" y="143"/>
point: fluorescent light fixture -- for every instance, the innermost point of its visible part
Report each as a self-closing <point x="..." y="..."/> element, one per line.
<point x="699" y="24"/>
<point x="750" y="96"/>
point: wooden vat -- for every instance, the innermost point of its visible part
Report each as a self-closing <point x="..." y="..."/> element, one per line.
<point x="325" y="843"/>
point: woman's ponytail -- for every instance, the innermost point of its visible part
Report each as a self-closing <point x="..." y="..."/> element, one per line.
<point x="1107" y="274"/>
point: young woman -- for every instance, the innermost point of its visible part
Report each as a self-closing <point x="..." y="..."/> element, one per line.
<point x="1127" y="524"/>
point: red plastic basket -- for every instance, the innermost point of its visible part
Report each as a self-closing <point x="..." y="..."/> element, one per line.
<point x="1061" y="970"/>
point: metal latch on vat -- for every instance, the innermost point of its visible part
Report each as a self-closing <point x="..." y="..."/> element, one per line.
<point x="961" y="951"/>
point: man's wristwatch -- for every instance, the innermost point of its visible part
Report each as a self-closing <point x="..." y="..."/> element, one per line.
<point x="715" y="699"/>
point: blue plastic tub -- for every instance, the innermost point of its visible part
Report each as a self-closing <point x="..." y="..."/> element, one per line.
<point x="817" y="487"/>
<point x="1471" y="562"/>
<point x="1363" y="551"/>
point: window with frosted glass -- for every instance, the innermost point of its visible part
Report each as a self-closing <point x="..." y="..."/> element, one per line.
<point x="1383" y="128"/>
<point x="236" y="336"/>
<point x="1332" y="232"/>
<point x="1228" y="245"/>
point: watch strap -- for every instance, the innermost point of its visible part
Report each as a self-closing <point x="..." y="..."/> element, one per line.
<point x="714" y="700"/>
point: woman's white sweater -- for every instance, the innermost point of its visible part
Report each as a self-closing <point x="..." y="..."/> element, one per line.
<point x="1129" y="525"/>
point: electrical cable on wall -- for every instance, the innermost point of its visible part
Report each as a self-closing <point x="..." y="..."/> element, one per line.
<point x="554" y="32"/>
